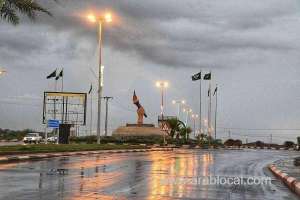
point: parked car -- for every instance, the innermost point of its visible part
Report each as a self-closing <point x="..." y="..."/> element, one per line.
<point x="52" y="139"/>
<point x="32" y="138"/>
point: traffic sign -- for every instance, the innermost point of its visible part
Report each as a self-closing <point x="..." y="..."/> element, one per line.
<point x="52" y="123"/>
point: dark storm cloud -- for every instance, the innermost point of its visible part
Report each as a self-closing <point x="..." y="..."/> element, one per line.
<point x="163" y="32"/>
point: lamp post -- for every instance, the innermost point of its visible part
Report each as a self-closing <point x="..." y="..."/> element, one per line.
<point x="162" y="85"/>
<point x="194" y="117"/>
<point x="179" y="104"/>
<point x="205" y="121"/>
<point x="188" y="111"/>
<point x="100" y="20"/>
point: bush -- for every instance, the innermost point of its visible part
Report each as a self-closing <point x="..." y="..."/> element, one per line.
<point x="7" y="134"/>
<point x="231" y="142"/>
<point x="289" y="144"/>
<point x="120" y="140"/>
<point x="259" y="144"/>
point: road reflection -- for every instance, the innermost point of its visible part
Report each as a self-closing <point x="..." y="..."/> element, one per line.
<point x="138" y="176"/>
<point x="181" y="166"/>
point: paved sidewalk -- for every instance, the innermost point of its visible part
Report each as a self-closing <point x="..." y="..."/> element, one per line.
<point x="23" y="157"/>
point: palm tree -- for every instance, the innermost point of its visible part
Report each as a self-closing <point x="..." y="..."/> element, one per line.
<point x="9" y="10"/>
<point x="185" y="132"/>
<point x="175" y="126"/>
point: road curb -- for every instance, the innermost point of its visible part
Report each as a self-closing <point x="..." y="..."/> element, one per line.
<point x="289" y="181"/>
<point x="8" y="159"/>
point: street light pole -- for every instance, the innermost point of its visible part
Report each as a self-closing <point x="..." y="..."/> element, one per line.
<point x="96" y="19"/>
<point x="99" y="83"/>
<point x="179" y="104"/>
<point x="106" y="113"/>
<point x="162" y="85"/>
<point x="162" y="102"/>
<point x="194" y="120"/>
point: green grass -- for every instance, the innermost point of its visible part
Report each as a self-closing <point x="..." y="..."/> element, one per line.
<point x="48" y="148"/>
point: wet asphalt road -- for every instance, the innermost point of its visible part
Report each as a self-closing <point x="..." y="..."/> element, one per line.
<point x="143" y="176"/>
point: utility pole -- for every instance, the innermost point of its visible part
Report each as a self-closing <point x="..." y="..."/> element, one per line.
<point x="106" y="113"/>
<point x="229" y="134"/>
<point x="271" y="139"/>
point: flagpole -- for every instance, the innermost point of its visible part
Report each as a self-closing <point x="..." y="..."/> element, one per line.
<point x="216" y="109"/>
<point x="55" y="99"/>
<point x="200" y="111"/>
<point x="208" y="110"/>
<point x="63" y="101"/>
<point x="55" y="86"/>
<point x="62" y="80"/>
<point x="91" y="120"/>
<point x="210" y="105"/>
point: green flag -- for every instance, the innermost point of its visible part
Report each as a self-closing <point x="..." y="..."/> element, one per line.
<point x="61" y="74"/>
<point x="91" y="88"/>
<point x="207" y="76"/>
<point x="196" y="77"/>
<point x="52" y="75"/>
<point x="215" y="91"/>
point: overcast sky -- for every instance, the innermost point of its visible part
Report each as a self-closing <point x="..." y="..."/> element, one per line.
<point x="250" y="46"/>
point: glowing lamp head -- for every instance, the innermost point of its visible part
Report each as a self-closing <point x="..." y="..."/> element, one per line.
<point x="162" y="84"/>
<point x="183" y="102"/>
<point x="166" y="84"/>
<point x="157" y="84"/>
<point x="92" y="18"/>
<point x="173" y="102"/>
<point x="108" y="17"/>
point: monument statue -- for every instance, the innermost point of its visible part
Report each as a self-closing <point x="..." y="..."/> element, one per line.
<point x="138" y="129"/>
<point x="140" y="111"/>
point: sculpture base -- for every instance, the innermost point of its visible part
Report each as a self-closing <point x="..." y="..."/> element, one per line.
<point x="138" y="130"/>
<point x="140" y="125"/>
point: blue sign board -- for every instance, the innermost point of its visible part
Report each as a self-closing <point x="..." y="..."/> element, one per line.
<point x="53" y="123"/>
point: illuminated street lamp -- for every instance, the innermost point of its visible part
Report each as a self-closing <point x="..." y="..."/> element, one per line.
<point x="205" y="121"/>
<point x="100" y="20"/>
<point x="179" y="104"/>
<point x="187" y="111"/>
<point x="162" y="85"/>
<point x="194" y="117"/>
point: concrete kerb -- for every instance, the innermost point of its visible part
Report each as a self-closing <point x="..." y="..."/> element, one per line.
<point x="289" y="181"/>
